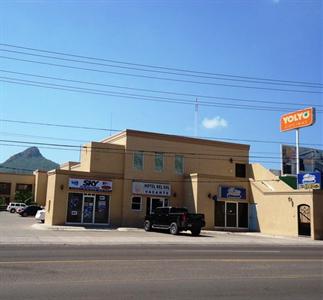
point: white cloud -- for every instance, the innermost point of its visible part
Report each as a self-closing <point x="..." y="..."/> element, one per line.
<point x="216" y="122"/>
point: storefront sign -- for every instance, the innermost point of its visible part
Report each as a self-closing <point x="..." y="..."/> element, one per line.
<point x="90" y="185"/>
<point x="148" y="188"/>
<point x="297" y="119"/>
<point x="231" y="192"/>
<point x="309" y="180"/>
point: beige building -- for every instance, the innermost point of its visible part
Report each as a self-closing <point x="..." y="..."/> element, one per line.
<point x="36" y="183"/>
<point x="122" y="178"/>
<point x="125" y="176"/>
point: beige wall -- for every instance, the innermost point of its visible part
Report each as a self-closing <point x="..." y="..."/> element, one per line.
<point x="58" y="196"/>
<point x="40" y="187"/>
<point x="277" y="205"/>
<point x="14" y="179"/>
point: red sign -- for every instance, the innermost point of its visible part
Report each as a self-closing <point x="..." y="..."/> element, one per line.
<point x="297" y="119"/>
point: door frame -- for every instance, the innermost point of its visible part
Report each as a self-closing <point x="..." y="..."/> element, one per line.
<point x="237" y="215"/>
<point x="225" y="212"/>
<point x="93" y="211"/>
<point x="159" y="198"/>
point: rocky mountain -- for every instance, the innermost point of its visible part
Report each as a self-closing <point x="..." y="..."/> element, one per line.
<point x="27" y="161"/>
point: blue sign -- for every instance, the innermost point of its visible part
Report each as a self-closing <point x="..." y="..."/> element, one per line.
<point x="232" y="192"/>
<point x="310" y="180"/>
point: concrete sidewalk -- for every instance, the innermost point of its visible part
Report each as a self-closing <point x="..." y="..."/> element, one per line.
<point x="27" y="231"/>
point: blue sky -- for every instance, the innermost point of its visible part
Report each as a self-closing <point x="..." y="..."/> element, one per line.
<point x="277" y="39"/>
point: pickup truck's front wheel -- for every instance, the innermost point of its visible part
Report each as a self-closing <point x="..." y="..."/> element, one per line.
<point x="147" y="225"/>
<point x="173" y="229"/>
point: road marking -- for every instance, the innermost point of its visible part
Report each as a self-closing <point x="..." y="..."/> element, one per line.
<point x="226" y="251"/>
<point x="233" y="260"/>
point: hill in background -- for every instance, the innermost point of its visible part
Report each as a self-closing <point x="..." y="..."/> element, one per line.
<point x="26" y="162"/>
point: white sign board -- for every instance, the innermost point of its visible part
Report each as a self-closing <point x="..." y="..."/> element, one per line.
<point x="149" y="188"/>
<point x="90" y="185"/>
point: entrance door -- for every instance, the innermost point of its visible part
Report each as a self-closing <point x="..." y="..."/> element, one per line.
<point x="304" y="220"/>
<point x="153" y="203"/>
<point x="231" y="214"/>
<point x="88" y="208"/>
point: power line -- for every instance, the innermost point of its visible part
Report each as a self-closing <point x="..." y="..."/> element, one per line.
<point x="155" y="66"/>
<point x="137" y="97"/>
<point x="87" y="141"/>
<point x="171" y="180"/>
<point x="156" y="91"/>
<point x="161" y="78"/>
<point x="118" y="130"/>
<point x="162" y="72"/>
<point x="200" y="156"/>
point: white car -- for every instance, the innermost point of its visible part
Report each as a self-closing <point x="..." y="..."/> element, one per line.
<point x="40" y="215"/>
<point x="14" y="206"/>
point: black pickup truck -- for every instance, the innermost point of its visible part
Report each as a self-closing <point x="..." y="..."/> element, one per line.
<point x="175" y="220"/>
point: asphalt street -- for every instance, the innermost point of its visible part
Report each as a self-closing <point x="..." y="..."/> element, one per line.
<point x="161" y="272"/>
<point x="41" y="262"/>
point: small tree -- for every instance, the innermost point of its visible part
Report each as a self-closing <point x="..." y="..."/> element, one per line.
<point x="24" y="197"/>
<point x="2" y="201"/>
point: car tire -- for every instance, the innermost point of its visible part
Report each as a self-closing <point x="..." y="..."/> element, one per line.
<point x="12" y="210"/>
<point x="24" y="214"/>
<point x="196" y="231"/>
<point x="43" y="221"/>
<point x="147" y="225"/>
<point x="173" y="228"/>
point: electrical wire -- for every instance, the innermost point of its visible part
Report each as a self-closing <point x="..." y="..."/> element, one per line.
<point x="137" y="97"/>
<point x="154" y="66"/>
<point x="159" y="71"/>
<point x="157" y="91"/>
<point x="160" y="78"/>
<point x="118" y="130"/>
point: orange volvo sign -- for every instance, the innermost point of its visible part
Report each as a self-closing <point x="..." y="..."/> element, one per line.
<point x="297" y="119"/>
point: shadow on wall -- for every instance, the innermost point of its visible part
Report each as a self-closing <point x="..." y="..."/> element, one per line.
<point x="253" y="218"/>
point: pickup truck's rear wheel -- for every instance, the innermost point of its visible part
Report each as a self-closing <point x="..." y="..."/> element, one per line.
<point x="147" y="225"/>
<point x="173" y="229"/>
<point x="196" y="231"/>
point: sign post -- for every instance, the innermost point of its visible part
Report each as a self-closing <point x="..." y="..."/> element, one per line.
<point x="297" y="151"/>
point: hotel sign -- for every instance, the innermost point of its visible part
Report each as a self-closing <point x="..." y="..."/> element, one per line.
<point x="232" y="192"/>
<point x="297" y="119"/>
<point x="90" y="185"/>
<point x="311" y="180"/>
<point x="150" y="188"/>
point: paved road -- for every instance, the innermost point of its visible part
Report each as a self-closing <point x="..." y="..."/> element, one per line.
<point x="161" y="272"/>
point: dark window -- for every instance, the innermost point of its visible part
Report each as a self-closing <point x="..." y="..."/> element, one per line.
<point x="74" y="208"/>
<point x="5" y="188"/>
<point x="159" y="161"/>
<point x="219" y="213"/>
<point x="136" y="203"/>
<point x="24" y="187"/>
<point x="138" y="160"/>
<point x="241" y="170"/>
<point x="243" y="215"/>
<point x="102" y="209"/>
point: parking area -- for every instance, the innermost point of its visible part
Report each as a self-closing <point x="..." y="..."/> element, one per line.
<point x="27" y="231"/>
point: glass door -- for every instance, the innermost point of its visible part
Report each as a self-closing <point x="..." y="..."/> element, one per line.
<point x="88" y="209"/>
<point x="102" y="209"/>
<point x="231" y="214"/>
<point x="153" y="203"/>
